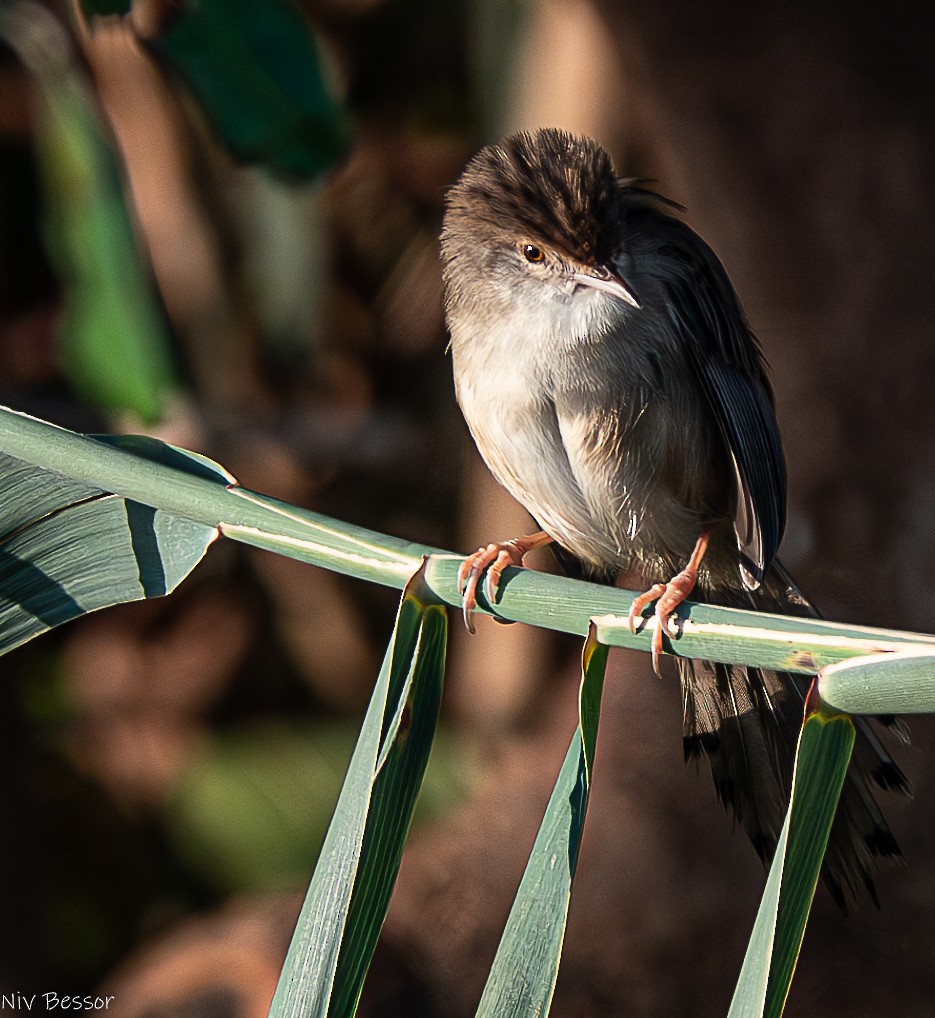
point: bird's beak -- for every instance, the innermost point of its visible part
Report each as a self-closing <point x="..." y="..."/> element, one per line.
<point x="608" y="281"/>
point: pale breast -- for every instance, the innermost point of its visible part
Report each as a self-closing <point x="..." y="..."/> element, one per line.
<point x="507" y="404"/>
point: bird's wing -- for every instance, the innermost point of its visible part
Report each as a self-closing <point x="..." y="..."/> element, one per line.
<point x="713" y="334"/>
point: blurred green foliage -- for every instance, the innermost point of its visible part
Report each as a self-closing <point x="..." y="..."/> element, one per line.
<point x="252" y="810"/>
<point x="115" y="339"/>
<point x="256" y="72"/>
<point x="254" y="806"/>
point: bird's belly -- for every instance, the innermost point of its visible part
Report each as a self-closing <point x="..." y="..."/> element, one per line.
<point x="520" y="441"/>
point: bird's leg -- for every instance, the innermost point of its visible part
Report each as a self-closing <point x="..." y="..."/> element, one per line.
<point x="670" y="595"/>
<point x="493" y="558"/>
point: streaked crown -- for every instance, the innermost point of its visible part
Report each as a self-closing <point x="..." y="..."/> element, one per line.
<point x="549" y="186"/>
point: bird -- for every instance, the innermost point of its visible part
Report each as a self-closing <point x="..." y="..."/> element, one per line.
<point x="612" y="384"/>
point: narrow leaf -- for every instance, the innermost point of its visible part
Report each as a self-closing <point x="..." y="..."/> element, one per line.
<point x="349" y="894"/>
<point x="749" y="998"/>
<point x="401" y="770"/>
<point x="783" y="642"/>
<point x="822" y="759"/>
<point x="212" y="500"/>
<point x="522" y="979"/>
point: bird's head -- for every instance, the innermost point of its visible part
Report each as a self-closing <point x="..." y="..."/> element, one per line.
<point x="534" y="226"/>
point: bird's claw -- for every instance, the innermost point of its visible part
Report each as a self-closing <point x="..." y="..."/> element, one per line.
<point x="492" y="559"/>
<point x="469" y="575"/>
<point x="668" y="596"/>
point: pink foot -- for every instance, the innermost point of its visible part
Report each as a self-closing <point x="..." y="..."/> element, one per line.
<point x="670" y="595"/>
<point x="493" y="558"/>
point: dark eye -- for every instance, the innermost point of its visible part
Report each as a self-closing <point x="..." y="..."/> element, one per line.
<point x="532" y="253"/>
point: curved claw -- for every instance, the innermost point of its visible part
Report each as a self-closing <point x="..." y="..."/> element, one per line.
<point x="468" y="615"/>
<point x="468" y="577"/>
<point x="668" y="596"/>
<point x="635" y="614"/>
<point x="492" y="559"/>
<point x="468" y="605"/>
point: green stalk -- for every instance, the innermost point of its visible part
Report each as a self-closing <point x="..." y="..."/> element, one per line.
<point x="722" y="634"/>
<point x="241" y="514"/>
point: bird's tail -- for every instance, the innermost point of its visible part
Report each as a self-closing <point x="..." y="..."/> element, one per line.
<point x="747" y="722"/>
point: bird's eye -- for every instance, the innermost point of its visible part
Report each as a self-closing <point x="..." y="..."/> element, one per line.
<point x="532" y="253"/>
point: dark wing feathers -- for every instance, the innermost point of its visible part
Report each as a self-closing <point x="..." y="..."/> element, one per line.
<point x="747" y="720"/>
<point x="717" y="342"/>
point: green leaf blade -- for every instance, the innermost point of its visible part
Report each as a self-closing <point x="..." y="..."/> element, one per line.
<point x="394" y="799"/>
<point x="522" y="979"/>
<point x="67" y="548"/>
<point x="349" y="893"/>
<point x="823" y="756"/>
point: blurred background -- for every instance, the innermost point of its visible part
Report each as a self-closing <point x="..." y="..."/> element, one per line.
<point x="170" y="767"/>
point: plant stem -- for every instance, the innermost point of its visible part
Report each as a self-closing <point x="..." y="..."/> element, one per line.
<point x="720" y="634"/>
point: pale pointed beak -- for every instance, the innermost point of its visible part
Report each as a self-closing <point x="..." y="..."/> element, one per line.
<point x="609" y="282"/>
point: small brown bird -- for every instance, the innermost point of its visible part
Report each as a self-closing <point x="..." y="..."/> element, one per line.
<point x="612" y="384"/>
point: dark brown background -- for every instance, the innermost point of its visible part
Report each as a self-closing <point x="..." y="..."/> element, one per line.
<point x="800" y="137"/>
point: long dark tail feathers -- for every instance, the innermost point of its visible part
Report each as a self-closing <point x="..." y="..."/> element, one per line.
<point x="746" y="721"/>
